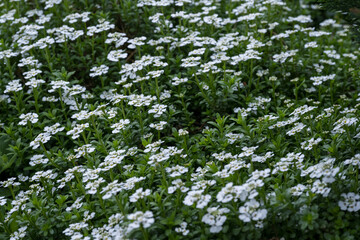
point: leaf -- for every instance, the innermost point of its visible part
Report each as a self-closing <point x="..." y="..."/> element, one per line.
<point x="4" y="144"/>
<point x="61" y="199"/>
<point x="5" y="163"/>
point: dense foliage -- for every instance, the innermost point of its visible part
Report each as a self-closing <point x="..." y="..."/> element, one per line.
<point x="350" y="10"/>
<point x="177" y="119"/>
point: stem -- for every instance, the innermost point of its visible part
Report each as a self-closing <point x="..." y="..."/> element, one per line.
<point x="98" y="135"/>
<point x="157" y="89"/>
<point x="164" y="176"/>
<point x="102" y="81"/>
<point x="140" y="121"/>
<point x="36" y="97"/>
<point x="17" y="101"/>
<point x="8" y="65"/>
<point x="12" y="192"/>
<point x="146" y="236"/>
<point x="62" y="103"/>
<point x="202" y="91"/>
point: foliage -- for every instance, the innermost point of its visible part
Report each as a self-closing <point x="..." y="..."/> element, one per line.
<point x="186" y="119"/>
<point x="349" y="8"/>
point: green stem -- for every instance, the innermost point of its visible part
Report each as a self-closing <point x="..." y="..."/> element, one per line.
<point x="140" y="121"/>
<point x="98" y="136"/>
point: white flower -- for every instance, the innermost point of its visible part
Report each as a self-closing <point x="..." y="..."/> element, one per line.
<point x="2" y="201"/>
<point x="140" y="100"/>
<point x="138" y="41"/>
<point x="350" y="203"/>
<point x="215" y="218"/>
<point x="141" y="219"/>
<point x="120" y="125"/>
<point x="320" y="79"/>
<point x="32" y="73"/>
<point x="19" y="234"/>
<point x="118" y="38"/>
<point x="115" y="55"/>
<point x="176" y="171"/>
<point x="282" y="57"/>
<point x="111" y="189"/>
<point x="182" y="229"/>
<point x="79" y="128"/>
<point x="251" y="212"/>
<point x="183" y="132"/>
<point x="158" y="110"/>
<point x="158" y="126"/>
<point x="98" y="71"/>
<point x="177" y="184"/>
<point x="83" y="150"/>
<point x="230" y="192"/>
<point x="176" y="81"/>
<point x="29" y="117"/>
<point x="38" y="159"/>
<point x="308" y="145"/>
<point x="54" y="129"/>
<point x="41" y="138"/>
<point x="139" y="194"/>
<point x="197" y="197"/>
<point x="233" y="137"/>
<point x="296" y="129"/>
<point x="298" y="190"/>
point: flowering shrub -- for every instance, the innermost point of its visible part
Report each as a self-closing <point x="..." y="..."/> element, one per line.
<point x="177" y="119"/>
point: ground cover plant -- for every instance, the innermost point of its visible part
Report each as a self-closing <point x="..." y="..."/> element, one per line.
<point x="185" y="119"/>
<point x="350" y="10"/>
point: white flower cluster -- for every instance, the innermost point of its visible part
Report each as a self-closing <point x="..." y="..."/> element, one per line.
<point x="302" y="110"/>
<point x="176" y="171"/>
<point x="29" y="117"/>
<point x="296" y="129"/>
<point x="291" y="160"/>
<point x="282" y="57"/>
<point x="140" y="100"/>
<point x="233" y="137"/>
<point x="177" y="184"/>
<point x="350" y="202"/>
<point x="163" y="155"/>
<point x="98" y="71"/>
<point x="197" y="197"/>
<point x="112" y="230"/>
<point x="19" y="234"/>
<point x="320" y="79"/>
<point x="40" y="139"/>
<point x="83" y="150"/>
<point x="120" y="125"/>
<point x="73" y="18"/>
<point x="77" y="130"/>
<point x="251" y="211"/>
<point x="139" y="194"/>
<point x="344" y="122"/>
<point x="182" y="229"/>
<point x="355" y="161"/>
<point x="144" y="219"/>
<point x="118" y="38"/>
<point x="215" y="218"/>
<point x="38" y="159"/>
<point x="324" y="169"/>
<point x="157" y="110"/>
<point x="309" y="144"/>
<point x="115" y="55"/>
<point x="232" y="193"/>
<point x="231" y="168"/>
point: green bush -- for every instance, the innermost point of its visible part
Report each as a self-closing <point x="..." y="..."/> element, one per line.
<point x="185" y="119"/>
<point x="349" y="8"/>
